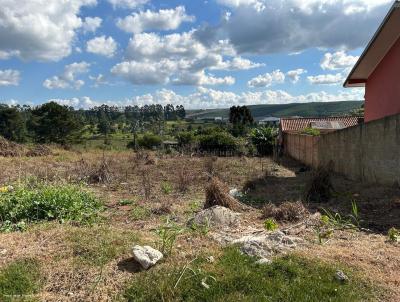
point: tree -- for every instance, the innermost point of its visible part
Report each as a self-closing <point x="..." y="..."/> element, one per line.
<point x="12" y="124"/>
<point x="240" y="118"/>
<point x="264" y="139"/>
<point x="53" y="123"/>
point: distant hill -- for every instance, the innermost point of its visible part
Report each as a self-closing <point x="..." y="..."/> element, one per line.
<point x="285" y="110"/>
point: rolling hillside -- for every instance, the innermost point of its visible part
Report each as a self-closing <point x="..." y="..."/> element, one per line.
<point x="285" y="110"/>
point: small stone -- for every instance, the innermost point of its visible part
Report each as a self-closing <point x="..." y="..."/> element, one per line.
<point x="210" y="259"/>
<point x="146" y="255"/>
<point x="341" y="277"/>
<point x="263" y="261"/>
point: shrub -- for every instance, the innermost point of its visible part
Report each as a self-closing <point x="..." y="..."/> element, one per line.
<point x="263" y="139"/>
<point x="185" y="138"/>
<point x="394" y="235"/>
<point x="149" y="141"/>
<point x="217" y="141"/>
<point x="20" y="278"/>
<point x="48" y="202"/>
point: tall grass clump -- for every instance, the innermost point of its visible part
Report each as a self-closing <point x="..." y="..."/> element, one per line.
<point x="46" y="202"/>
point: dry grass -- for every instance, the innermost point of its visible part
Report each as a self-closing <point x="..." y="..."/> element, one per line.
<point x="287" y="211"/>
<point x="217" y="194"/>
<point x="320" y="187"/>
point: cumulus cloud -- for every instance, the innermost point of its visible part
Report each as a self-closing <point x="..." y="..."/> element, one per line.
<point x="164" y="19"/>
<point x="296" y="25"/>
<point x="68" y="78"/>
<point x="99" y="80"/>
<point x="39" y="30"/>
<point x="294" y="75"/>
<point x="9" y="77"/>
<point x="326" y="79"/>
<point x="179" y="59"/>
<point x="211" y="98"/>
<point x="91" y="24"/>
<point x="102" y="46"/>
<point x="338" y="60"/>
<point x="127" y="3"/>
<point x="268" y="79"/>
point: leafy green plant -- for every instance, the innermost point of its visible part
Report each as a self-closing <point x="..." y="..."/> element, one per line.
<point x="149" y="140"/>
<point x="270" y="224"/>
<point x="264" y="139"/>
<point x="311" y="131"/>
<point x="394" y="235"/>
<point x="168" y="233"/>
<point x="338" y="221"/>
<point x="20" y="279"/>
<point x="166" y="188"/>
<point x="125" y="202"/>
<point x="41" y="202"/>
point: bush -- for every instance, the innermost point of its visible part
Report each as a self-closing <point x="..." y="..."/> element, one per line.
<point x="311" y="131"/>
<point x="263" y="139"/>
<point x="320" y="188"/>
<point x="47" y="202"/>
<point x="217" y="141"/>
<point x="185" y="138"/>
<point x="149" y="141"/>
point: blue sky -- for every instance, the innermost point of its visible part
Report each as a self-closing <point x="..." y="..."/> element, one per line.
<point x="202" y="54"/>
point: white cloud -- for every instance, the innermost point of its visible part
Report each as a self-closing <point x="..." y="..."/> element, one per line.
<point x="127" y="3"/>
<point x="39" y="29"/>
<point x="211" y="98"/>
<point x="102" y="46"/>
<point x="99" y="80"/>
<point x="268" y="79"/>
<point x="326" y="79"/>
<point x="294" y="75"/>
<point x="237" y="63"/>
<point x="296" y="25"/>
<point x="338" y="60"/>
<point x="9" y="77"/>
<point x="68" y="78"/>
<point x="91" y="24"/>
<point x="164" y="19"/>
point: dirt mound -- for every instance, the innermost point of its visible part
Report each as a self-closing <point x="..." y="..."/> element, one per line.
<point x="217" y="194"/>
<point x="39" y="150"/>
<point x="10" y="149"/>
<point x="287" y="211"/>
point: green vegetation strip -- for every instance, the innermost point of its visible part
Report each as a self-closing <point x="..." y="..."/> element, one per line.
<point x="20" y="281"/>
<point x="236" y="277"/>
<point x="44" y="202"/>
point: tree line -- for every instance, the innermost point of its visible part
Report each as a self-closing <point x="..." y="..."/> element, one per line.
<point x="55" y="123"/>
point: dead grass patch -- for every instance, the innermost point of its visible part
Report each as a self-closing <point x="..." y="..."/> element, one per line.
<point x="217" y="194"/>
<point x="320" y="188"/>
<point x="287" y="211"/>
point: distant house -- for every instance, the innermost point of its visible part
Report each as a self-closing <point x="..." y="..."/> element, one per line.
<point x="269" y="121"/>
<point x="378" y="69"/>
<point x="324" y="124"/>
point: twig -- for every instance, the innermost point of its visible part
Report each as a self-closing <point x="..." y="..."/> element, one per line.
<point x="183" y="272"/>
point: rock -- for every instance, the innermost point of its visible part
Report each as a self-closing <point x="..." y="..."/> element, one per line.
<point x="215" y="216"/>
<point x="235" y="193"/>
<point x="341" y="277"/>
<point x="210" y="259"/>
<point x="263" y="261"/>
<point x="266" y="245"/>
<point x="146" y="255"/>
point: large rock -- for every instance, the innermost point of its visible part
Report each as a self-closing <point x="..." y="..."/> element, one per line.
<point x="146" y="255"/>
<point x="216" y="216"/>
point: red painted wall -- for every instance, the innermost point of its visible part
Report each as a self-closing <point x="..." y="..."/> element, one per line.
<point x="382" y="92"/>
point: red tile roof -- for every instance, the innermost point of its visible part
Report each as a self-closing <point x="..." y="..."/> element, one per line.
<point x="299" y="124"/>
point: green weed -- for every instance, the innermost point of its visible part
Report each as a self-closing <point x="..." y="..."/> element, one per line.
<point x="20" y="280"/>
<point x="270" y="224"/>
<point x="167" y="233"/>
<point x="44" y="202"/>
<point x="394" y="235"/>
<point x="166" y="188"/>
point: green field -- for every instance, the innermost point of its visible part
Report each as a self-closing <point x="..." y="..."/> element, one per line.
<point x="285" y="110"/>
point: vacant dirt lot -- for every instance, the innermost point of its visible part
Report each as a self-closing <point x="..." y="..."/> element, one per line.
<point x="141" y="191"/>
